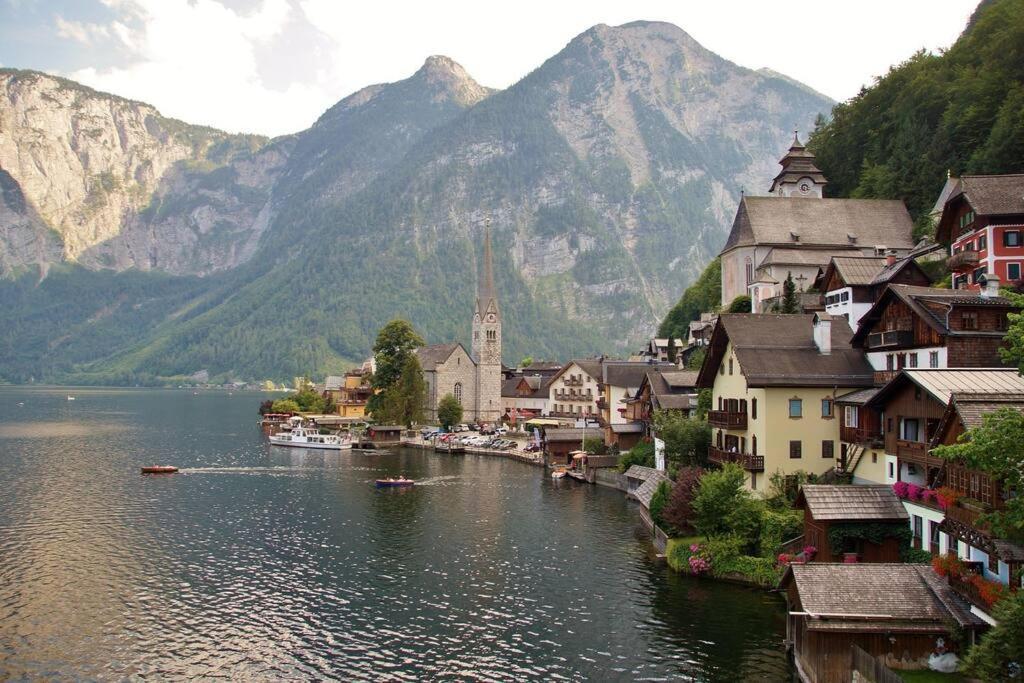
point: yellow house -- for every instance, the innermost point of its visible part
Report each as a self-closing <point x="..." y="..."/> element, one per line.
<point x="349" y="393"/>
<point x="774" y="382"/>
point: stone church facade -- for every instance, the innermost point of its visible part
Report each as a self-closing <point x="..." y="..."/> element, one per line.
<point x="474" y="380"/>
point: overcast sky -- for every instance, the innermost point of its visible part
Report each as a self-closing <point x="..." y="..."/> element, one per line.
<point x="272" y="66"/>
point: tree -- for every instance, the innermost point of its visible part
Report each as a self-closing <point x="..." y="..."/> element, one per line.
<point x="740" y="304"/>
<point x="671" y="350"/>
<point x="595" y="445"/>
<point x="1000" y="654"/>
<point x="449" y="411"/>
<point x="526" y="362"/>
<point x="722" y="506"/>
<point x="641" y="454"/>
<point x="790" y="300"/>
<point x="703" y="404"/>
<point x="996" y="446"/>
<point x="403" y="403"/>
<point x="686" y="438"/>
<point x="659" y="499"/>
<point x="285" y="405"/>
<point x="696" y="358"/>
<point x="1013" y="350"/>
<point x="703" y="296"/>
<point x="678" y="512"/>
<point x="394" y="346"/>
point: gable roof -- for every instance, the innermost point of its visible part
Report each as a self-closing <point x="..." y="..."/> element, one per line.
<point x="794" y="256"/>
<point x="972" y="407"/>
<point x="646" y="490"/>
<point x="591" y="366"/>
<point x="922" y="300"/>
<point x="538" y="385"/>
<point x="851" y="503"/>
<point x="844" y="223"/>
<point x="436" y="354"/>
<point x="779" y="350"/>
<point x="942" y="384"/>
<point x="567" y="434"/>
<point x="333" y="382"/>
<point x="628" y="374"/>
<point x="873" y="597"/>
<point x="855" y="270"/>
<point x="988" y="195"/>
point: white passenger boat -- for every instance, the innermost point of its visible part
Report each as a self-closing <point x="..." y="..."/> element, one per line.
<point x="304" y="437"/>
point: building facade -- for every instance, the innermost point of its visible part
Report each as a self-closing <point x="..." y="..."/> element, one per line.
<point x="575" y="391"/>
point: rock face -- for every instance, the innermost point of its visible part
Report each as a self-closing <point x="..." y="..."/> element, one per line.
<point x="609" y="175"/>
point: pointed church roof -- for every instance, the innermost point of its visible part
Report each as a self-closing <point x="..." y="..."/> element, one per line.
<point x="485" y="297"/>
<point x="798" y="163"/>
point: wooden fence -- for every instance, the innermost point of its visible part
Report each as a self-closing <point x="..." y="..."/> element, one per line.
<point x="864" y="667"/>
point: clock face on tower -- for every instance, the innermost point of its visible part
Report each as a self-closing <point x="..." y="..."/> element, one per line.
<point x="490" y="317"/>
<point x="805" y="187"/>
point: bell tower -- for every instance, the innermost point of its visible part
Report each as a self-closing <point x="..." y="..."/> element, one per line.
<point x="487" y="339"/>
<point x="800" y="175"/>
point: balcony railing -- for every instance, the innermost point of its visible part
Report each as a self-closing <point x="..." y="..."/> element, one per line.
<point x="964" y="515"/>
<point x="727" y="419"/>
<point x="573" y="382"/>
<point x="893" y="338"/>
<point x="965" y="260"/>
<point x="572" y="396"/>
<point x="749" y="462"/>
<point x="916" y="452"/>
<point x="859" y="435"/>
<point x="966" y="589"/>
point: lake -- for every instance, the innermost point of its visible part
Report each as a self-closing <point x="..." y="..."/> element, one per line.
<point x="261" y="562"/>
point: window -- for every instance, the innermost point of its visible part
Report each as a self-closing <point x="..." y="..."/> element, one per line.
<point x="492" y="335"/>
<point x="970" y="320"/>
<point x="753" y="445"/>
<point x="795" y="448"/>
<point x="892" y="474"/>
<point x="982" y="242"/>
<point x="933" y="537"/>
<point x="796" y="407"/>
<point x="753" y="409"/>
<point x="933" y="359"/>
<point x="750" y="271"/>
<point x="978" y="273"/>
<point x="720" y="403"/>
<point x="828" y="449"/>
<point x="721" y="368"/>
<point x="874" y="458"/>
<point x="458" y="392"/>
<point x="918" y="530"/>
<point x="852" y="416"/>
<point x="910" y="429"/>
<point x="890" y="362"/>
<point x="1011" y="238"/>
<point x="730" y="366"/>
<point x="826" y="407"/>
<point x="1012" y="271"/>
<point x="912" y="360"/>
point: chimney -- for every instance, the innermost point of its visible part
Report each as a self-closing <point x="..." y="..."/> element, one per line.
<point x="990" y="286"/>
<point x="890" y="258"/>
<point x="823" y="333"/>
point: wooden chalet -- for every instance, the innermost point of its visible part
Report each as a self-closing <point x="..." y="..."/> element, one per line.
<point x="660" y="389"/>
<point x="382" y="435"/>
<point x="897" y="613"/>
<point x="851" y="284"/>
<point x="827" y="506"/>
<point x="559" y="444"/>
<point x="922" y="327"/>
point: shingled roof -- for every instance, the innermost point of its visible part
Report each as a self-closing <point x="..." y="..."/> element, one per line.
<point x="851" y="503"/>
<point x="432" y="356"/>
<point x="877" y="597"/>
<point x="829" y="223"/>
<point x="994" y="195"/>
<point x="628" y="374"/>
<point x="779" y="350"/>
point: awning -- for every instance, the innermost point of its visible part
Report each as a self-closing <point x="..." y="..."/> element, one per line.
<point x="543" y="422"/>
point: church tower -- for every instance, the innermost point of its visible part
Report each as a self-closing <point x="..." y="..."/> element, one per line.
<point x="800" y="176"/>
<point x="487" y="340"/>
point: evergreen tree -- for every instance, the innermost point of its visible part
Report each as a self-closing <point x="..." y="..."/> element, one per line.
<point x="790" y="300"/>
<point x="670" y="351"/>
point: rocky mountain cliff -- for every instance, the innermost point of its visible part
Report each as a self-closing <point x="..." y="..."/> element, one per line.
<point x="609" y="175"/>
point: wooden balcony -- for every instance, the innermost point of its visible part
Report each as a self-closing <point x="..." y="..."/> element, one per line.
<point x="749" y="462"/>
<point x="917" y="453"/>
<point x="727" y="419"/>
<point x="573" y="382"/>
<point x="859" y="435"/>
<point x="965" y="260"/>
<point x="966" y="589"/>
<point x="884" y="376"/>
<point x="891" y="339"/>
<point x="967" y="516"/>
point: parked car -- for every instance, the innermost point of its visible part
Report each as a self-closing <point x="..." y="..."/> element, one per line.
<point x="503" y="430"/>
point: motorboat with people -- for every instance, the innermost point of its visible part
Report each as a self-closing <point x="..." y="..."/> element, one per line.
<point x="391" y="482"/>
<point x="302" y="436"/>
<point x="558" y="473"/>
<point x="159" y="469"/>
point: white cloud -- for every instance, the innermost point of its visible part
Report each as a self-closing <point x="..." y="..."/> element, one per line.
<point x="80" y="31"/>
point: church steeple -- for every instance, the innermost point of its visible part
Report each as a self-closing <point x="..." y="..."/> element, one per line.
<point x="486" y="301"/>
<point x="487" y="338"/>
<point x="800" y="175"/>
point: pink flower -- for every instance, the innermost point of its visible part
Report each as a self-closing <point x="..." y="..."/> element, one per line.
<point x="810" y="551"/>
<point x="900" y="489"/>
<point x="914" y="491"/>
<point x="695" y="548"/>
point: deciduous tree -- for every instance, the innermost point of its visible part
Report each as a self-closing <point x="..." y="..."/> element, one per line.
<point x="449" y="411"/>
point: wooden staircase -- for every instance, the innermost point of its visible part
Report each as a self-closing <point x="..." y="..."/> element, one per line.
<point x="854" y="453"/>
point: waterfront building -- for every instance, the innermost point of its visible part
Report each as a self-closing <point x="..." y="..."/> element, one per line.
<point x="620" y="380"/>
<point x="923" y="409"/>
<point x="797" y="231"/>
<point x="982" y="223"/>
<point x="851" y="284"/>
<point x="474" y="380"/>
<point x="774" y="381"/>
<point x="349" y="392"/>
<point x="560" y="443"/>
<point x="897" y="613"/>
<point x="661" y="389"/>
<point x="828" y="506"/>
<point x="524" y="397"/>
<point x="575" y="390"/>
<point x="861" y="447"/>
<point x="923" y="327"/>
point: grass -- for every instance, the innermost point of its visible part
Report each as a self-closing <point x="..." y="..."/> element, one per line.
<point x="685" y="541"/>
<point x="927" y="676"/>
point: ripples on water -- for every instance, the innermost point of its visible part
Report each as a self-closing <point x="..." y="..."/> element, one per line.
<point x="261" y="563"/>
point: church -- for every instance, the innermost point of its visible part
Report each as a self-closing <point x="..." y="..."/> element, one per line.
<point x="474" y="380"/>
<point x="796" y="231"/>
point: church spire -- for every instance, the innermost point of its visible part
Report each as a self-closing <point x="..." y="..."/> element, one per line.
<point x="485" y="298"/>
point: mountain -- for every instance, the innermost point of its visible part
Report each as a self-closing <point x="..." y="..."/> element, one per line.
<point x="609" y="175"/>
<point x="958" y="111"/>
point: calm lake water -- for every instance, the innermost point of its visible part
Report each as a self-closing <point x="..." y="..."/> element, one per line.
<point x="260" y="562"/>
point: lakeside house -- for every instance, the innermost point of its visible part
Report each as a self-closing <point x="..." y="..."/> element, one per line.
<point x="982" y="223"/>
<point x="524" y="397"/>
<point x="774" y="381"/>
<point x="923" y="409"/>
<point x="620" y="380"/>
<point x="922" y="327"/>
<point x="561" y="443"/>
<point x="661" y="389"/>
<point x="830" y="507"/>
<point x="575" y="389"/>
<point x="349" y="393"/>
<point x="852" y="284"/>
<point x="796" y="231"/>
<point x="899" y="614"/>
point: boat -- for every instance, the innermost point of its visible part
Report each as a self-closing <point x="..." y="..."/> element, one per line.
<point x="300" y="436"/>
<point x="558" y="473"/>
<point x="159" y="469"/>
<point x="71" y="398"/>
<point x="391" y="482"/>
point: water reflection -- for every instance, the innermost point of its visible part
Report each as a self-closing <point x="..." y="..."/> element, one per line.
<point x="261" y="562"/>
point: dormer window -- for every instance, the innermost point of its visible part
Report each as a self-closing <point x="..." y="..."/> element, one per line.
<point x="852" y="239"/>
<point x="795" y="236"/>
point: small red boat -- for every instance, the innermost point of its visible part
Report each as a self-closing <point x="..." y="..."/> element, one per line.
<point x="389" y="482"/>
<point x="159" y="469"/>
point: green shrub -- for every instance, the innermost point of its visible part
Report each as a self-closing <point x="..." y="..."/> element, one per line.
<point x="640" y="454"/>
<point x="777" y="527"/>
<point x="658" y="502"/>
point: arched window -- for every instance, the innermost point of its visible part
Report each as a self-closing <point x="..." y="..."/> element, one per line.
<point x="458" y="392"/>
